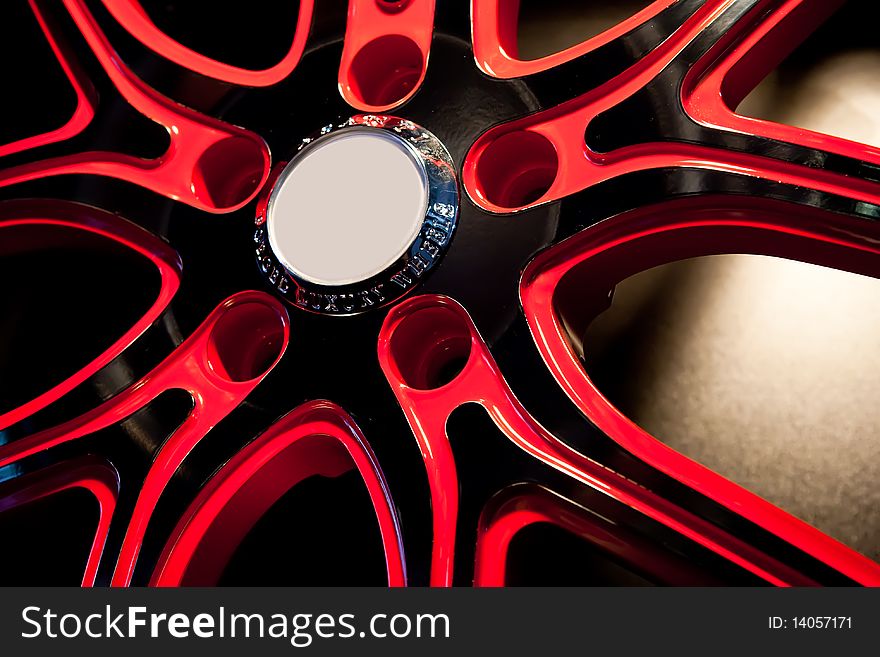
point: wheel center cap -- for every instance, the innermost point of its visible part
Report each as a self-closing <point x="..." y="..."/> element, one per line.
<point x="348" y="207"/>
<point x="360" y="215"/>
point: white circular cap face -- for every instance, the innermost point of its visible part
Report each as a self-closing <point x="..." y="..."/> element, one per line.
<point x="347" y="207"/>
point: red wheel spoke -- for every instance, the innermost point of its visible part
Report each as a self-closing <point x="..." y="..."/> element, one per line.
<point x="132" y="16"/>
<point x="714" y="87"/>
<point x="544" y="157"/>
<point x="387" y="43"/>
<point x="211" y="368"/>
<point x="317" y="438"/>
<point x="209" y="164"/>
<point x="85" y="99"/>
<point x="409" y="352"/>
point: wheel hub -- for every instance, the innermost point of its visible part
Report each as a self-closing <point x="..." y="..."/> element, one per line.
<point x="359" y="216"/>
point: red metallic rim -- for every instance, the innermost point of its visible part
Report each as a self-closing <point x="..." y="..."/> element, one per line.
<point x="217" y="167"/>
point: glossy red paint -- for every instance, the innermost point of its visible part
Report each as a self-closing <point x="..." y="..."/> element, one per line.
<point x="317" y="438"/>
<point x="82" y="88"/>
<point x="717" y="84"/>
<point x="218" y="365"/>
<point x="420" y="338"/>
<point x="537" y="159"/>
<point x="522" y="505"/>
<point x="132" y="16"/>
<point x="112" y="227"/>
<point x="209" y="164"/>
<point x="553" y="161"/>
<point x="594" y="260"/>
<point x="495" y="24"/>
<point x="90" y="473"/>
<point x="385" y="55"/>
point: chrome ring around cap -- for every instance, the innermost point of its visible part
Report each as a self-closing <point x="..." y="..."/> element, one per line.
<point x="361" y="213"/>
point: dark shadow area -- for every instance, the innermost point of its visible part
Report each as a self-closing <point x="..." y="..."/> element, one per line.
<point x="323" y="532"/>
